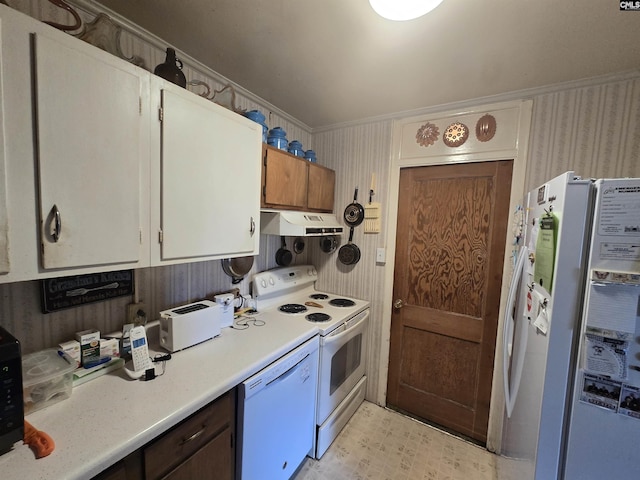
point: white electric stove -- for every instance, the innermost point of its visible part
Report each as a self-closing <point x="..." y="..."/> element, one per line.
<point x="289" y="294"/>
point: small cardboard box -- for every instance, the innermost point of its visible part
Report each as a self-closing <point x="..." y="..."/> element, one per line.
<point x="89" y="345"/>
<point x="71" y="348"/>
<point x="110" y="347"/>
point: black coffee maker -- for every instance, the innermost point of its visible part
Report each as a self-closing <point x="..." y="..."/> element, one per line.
<point x="11" y="401"/>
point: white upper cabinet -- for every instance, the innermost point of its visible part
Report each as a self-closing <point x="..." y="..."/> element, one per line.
<point x="96" y="153"/>
<point x="207" y="179"/>
<point x="75" y="154"/>
<point x="89" y="120"/>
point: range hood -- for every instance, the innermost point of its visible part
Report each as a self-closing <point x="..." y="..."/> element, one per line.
<point x="299" y="224"/>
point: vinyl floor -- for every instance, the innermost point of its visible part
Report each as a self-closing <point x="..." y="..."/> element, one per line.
<point x="380" y="444"/>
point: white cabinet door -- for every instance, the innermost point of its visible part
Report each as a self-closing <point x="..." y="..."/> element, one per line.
<point x="210" y="179"/>
<point x="88" y="139"/>
<point x="4" y="220"/>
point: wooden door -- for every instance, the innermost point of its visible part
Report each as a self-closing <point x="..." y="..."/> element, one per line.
<point x="452" y="222"/>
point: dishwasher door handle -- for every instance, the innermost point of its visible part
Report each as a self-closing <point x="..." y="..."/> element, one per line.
<point x="288" y="373"/>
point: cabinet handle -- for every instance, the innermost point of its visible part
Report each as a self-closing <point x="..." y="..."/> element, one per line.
<point x="252" y="229"/>
<point x="57" y="223"/>
<point x="194" y="436"/>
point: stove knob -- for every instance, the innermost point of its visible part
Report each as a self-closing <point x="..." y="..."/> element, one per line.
<point x="271" y="281"/>
<point x="263" y="282"/>
<point x="313" y="271"/>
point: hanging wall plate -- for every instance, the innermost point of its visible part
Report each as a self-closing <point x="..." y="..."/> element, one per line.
<point x="427" y="134"/>
<point x="455" y="134"/>
<point x="486" y="128"/>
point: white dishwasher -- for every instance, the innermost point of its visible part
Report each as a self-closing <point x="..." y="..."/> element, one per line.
<point x="276" y="416"/>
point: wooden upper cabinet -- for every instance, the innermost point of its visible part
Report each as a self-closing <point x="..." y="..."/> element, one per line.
<point x="284" y="180"/>
<point x="322" y="184"/>
<point x="292" y="183"/>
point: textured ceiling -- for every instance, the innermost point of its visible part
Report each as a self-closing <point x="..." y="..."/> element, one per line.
<point x="332" y="61"/>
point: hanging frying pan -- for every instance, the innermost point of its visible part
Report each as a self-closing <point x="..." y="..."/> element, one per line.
<point x="349" y="254"/>
<point x="354" y="213"/>
<point x="283" y="255"/>
<point x="328" y="244"/>
<point x="237" y="267"/>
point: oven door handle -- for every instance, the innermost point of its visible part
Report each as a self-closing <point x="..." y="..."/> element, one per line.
<point x="358" y="325"/>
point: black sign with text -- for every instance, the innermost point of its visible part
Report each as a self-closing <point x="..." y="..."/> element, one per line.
<point x="68" y="292"/>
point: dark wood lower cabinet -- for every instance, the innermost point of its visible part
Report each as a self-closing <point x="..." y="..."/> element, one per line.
<point x="213" y="461"/>
<point x="200" y="447"/>
<point x="129" y="468"/>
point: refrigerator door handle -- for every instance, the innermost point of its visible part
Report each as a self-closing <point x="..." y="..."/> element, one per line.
<point x="508" y="331"/>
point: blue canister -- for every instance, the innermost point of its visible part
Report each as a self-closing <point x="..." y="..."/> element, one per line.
<point x="278" y="138"/>
<point x="310" y="155"/>
<point x="295" y="148"/>
<point x="258" y="117"/>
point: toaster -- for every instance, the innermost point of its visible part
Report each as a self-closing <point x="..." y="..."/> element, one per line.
<point x="190" y="324"/>
<point x="11" y="403"/>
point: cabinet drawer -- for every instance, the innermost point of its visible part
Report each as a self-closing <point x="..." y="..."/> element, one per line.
<point x="213" y="461"/>
<point x="186" y="438"/>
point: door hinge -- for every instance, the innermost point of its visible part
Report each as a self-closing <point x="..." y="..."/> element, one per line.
<point x="140" y="106"/>
<point x="264" y="159"/>
<point x="160" y="114"/>
<point x="264" y="191"/>
<point x="140" y="236"/>
<point x="160" y="236"/>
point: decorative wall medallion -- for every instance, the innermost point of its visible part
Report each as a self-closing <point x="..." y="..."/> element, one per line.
<point x="455" y="134"/>
<point x="486" y="128"/>
<point x="427" y="134"/>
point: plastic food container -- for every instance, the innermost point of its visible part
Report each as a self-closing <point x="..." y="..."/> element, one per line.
<point x="47" y="378"/>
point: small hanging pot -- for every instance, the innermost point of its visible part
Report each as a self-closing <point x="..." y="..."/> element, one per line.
<point x="284" y="255"/>
<point x="328" y="244"/>
<point x="171" y="69"/>
<point x="298" y="245"/>
<point x="349" y="254"/>
<point x="354" y="213"/>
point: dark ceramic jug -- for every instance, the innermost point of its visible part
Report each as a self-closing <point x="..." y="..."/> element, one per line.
<point x="171" y="69"/>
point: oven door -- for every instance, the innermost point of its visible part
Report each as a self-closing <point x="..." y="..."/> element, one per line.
<point x="342" y="362"/>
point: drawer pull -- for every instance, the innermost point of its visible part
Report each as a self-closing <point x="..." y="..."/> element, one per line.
<point x="194" y="436"/>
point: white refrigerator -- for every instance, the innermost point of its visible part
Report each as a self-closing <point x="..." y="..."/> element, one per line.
<point x="571" y="358"/>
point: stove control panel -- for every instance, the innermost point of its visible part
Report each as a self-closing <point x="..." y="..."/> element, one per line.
<point x="281" y="281"/>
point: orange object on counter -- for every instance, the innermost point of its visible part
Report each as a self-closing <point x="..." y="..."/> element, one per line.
<point x="41" y="443"/>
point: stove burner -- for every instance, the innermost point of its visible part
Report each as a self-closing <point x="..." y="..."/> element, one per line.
<point x="319" y="296"/>
<point x="318" y="317"/>
<point x="342" y="302"/>
<point x="292" y="308"/>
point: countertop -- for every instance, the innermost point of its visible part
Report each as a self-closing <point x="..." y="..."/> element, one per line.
<point x="107" y="418"/>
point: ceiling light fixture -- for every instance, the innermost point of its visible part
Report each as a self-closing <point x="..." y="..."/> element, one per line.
<point x="403" y="9"/>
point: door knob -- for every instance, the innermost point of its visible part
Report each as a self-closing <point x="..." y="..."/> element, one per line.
<point x="398" y="303"/>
